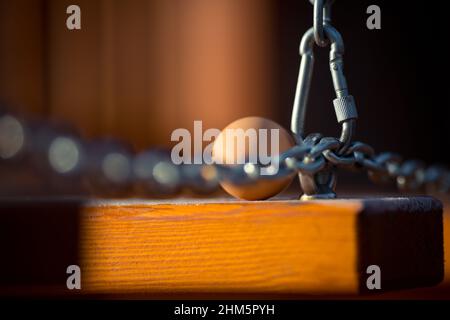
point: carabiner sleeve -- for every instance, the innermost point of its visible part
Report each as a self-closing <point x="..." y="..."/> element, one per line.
<point x="344" y="104"/>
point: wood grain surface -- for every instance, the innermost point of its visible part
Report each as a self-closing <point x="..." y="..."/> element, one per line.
<point x="238" y="247"/>
<point x="227" y="248"/>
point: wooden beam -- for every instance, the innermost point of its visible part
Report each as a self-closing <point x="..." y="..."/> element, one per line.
<point x="220" y="247"/>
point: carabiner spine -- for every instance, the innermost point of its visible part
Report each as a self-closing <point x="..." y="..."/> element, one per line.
<point x="303" y="85"/>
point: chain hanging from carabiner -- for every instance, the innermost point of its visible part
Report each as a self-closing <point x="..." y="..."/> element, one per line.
<point x="322" y="184"/>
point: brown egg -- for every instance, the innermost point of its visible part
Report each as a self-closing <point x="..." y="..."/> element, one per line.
<point x="228" y="151"/>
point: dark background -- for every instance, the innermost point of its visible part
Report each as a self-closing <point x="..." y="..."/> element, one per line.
<point x="397" y="74"/>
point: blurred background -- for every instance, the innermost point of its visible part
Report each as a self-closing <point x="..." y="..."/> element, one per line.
<point x="139" y="69"/>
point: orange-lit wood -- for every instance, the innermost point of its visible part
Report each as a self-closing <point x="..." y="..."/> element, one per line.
<point x="227" y="248"/>
<point x="234" y="247"/>
<point x="241" y="247"/>
<point x="447" y="242"/>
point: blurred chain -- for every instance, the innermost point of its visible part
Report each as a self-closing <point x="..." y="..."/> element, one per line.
<point x="107" y="167"/>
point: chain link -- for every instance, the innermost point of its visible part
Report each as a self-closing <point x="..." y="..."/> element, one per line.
<point x="322" y="16"/>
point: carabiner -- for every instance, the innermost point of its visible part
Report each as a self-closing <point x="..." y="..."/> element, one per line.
<point x="322" y="185"/>
<point x="344" y="104"/>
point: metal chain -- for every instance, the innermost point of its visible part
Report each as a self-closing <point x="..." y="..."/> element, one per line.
<point x="111" y="166"/>
<point x="316" y="158"/>
<point x="322" y="15"/>
<point x="321" y="185"/>
<point x="153" y="172"/>
<point x="410" y="175"/>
